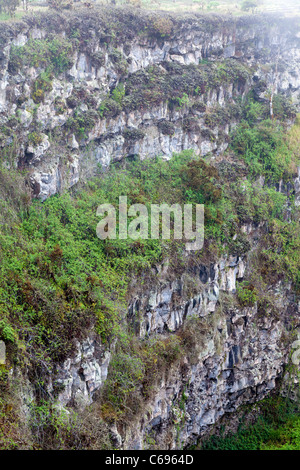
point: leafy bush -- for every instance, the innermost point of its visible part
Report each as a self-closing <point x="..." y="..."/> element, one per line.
<point x="134" y="372"/>
<point x="246" y="294"/>
<point x="7" y="332"/>
<point x="109" y="108"/>
<point x="259" y="147"/>
<point x="262" y="142"/>
<point x="202" y="182"/>
<point x="166" y="127"/>
<point x="41" y="85"/>
<point x="276" y="428"/>
<point x="118" y="93"/>
<point x="81" y="122"/>
<point x="60" y="4"/>
<point x="249" y="5"/>
<point x="161" y="26"/>
<point x="119" y="62"/>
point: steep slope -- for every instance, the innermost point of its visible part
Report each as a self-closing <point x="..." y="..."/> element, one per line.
<point x="161" y="342"/>
<point x="81" y="90"/>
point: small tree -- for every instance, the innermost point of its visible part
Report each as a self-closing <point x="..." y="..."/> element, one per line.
<point x="9" y="6"/>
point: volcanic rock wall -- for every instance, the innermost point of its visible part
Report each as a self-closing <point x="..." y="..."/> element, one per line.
<point x="65" y="120"/>
<point x="179" y="81"/>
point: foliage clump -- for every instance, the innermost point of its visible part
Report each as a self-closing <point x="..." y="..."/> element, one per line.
<point x="246" y="294"/>
<point x="35" y="138"/>
<point x="53" y="54"/>
<point x="133" y="135"/>
<point x="166" y="127"/>
<point x="276" y="428"/>
<point x="81" y="122"/>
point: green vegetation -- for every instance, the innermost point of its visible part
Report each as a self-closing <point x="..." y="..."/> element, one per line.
<point x="135" y="370"/>
<point x="276" y="428"/>
<point x="41" y="85"/>
<point x="60" y="4"/>
<point x="58" y="281"/>
<point x="119" y="62"/>
<point x="57" y="277"/>
<point x="263" y="149"/>
<point x="133" y="135"/>
<point x="54" y="55"/>
<point x="180" y="87"/>
<point x="260" y="141"/>
<point x="246" y="294"/>
<point x="82" y="122"/>
<point x="179" y="84"/>
<point x="249" y="5"/>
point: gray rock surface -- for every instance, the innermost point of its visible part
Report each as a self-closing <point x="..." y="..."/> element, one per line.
<point x="272" y="53"/>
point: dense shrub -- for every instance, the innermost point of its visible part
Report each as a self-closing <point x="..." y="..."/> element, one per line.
<point x="246" y="294"/>
<point x="81" y="122"/>
<point x="276" y="428"/>
<point x="133" y="135"/>
<point x="166" y="127"/>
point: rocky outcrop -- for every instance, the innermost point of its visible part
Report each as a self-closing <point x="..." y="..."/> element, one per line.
<point x="237" y="358"/>
<point x="165" y="310"/>
<point x="242" y="354"/>
<point x="82" y="375"/>
<point x="65" y="103"/>
<point x="79" y="377"/>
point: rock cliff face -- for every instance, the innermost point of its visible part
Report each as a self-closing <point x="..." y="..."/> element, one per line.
<point x="239" y="356"/>
<point x="94" y="100"/>
<point x="62" y="118"/>
<point x="236" y="356"/>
